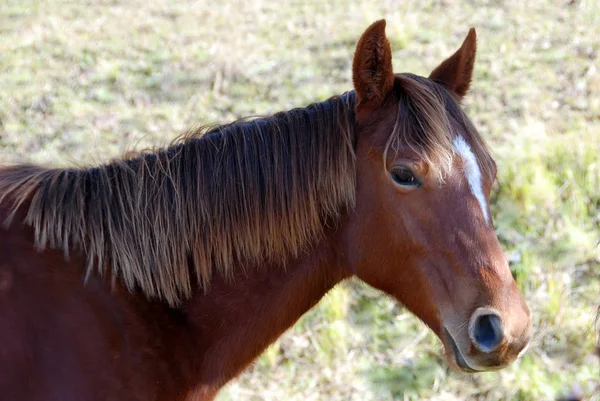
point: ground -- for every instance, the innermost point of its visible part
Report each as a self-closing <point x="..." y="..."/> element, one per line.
<point x="81" y="82"/>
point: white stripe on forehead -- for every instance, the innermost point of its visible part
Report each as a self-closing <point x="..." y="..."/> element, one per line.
<point x="472" y="172"/>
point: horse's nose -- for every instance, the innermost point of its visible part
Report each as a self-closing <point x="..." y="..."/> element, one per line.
<point x="485" y="330"/>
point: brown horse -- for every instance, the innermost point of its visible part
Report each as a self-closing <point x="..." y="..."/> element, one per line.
<point x="163" y="275"/>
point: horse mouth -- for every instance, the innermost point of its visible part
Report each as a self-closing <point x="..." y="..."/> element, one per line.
<point x="458" y="358"/>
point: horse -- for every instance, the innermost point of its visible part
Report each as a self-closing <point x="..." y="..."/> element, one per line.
<point x="162" y="275"/>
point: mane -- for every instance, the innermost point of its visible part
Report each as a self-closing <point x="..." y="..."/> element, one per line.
<point x="240" y="194"/>
<point x="429" y="117"/>
<point x="243" y="194"/>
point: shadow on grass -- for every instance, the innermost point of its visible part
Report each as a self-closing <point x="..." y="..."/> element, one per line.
<point x="396" y="382"/>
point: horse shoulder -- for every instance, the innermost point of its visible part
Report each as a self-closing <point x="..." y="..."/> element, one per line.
<point x="65" y="338"/>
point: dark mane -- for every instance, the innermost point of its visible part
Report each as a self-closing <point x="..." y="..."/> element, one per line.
<point x="429" y="117"/>
<point x="239" y="194"/>
<point x="242" y="193"/>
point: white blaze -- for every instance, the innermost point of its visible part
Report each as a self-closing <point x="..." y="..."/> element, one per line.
<point x="472" y="172"/>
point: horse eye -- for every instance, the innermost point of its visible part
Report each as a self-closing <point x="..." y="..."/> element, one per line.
<point x="405" y="177"/>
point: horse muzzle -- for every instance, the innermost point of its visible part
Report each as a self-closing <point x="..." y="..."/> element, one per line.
<point x="486" y="342"/>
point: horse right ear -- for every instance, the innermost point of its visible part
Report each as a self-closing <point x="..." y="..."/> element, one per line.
<point x="455" y="72"/>
<point x="372" y="72"/>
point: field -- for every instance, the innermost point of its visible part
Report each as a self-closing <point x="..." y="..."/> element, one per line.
<point x="81" y="82"/>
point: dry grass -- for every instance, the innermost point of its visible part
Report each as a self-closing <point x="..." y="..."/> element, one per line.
<point x="84" y="81"/>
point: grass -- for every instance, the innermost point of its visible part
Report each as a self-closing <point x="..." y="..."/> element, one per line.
<point x="86" y="81"/>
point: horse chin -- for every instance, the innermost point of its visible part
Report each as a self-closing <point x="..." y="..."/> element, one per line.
<point x="454" y="356"/>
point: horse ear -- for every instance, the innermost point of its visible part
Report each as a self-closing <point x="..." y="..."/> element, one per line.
<point x="372" y="72"/>
<point x="456" y="71"/>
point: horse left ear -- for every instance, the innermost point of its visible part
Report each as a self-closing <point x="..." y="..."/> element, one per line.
<point x="372" y="72"/>
<point x="455" y="72"/>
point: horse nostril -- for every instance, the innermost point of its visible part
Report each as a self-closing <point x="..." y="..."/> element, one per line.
<point x="486" y="331"/>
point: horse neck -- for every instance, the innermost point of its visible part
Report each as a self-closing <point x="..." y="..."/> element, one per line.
<point x="238" y="319"/>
